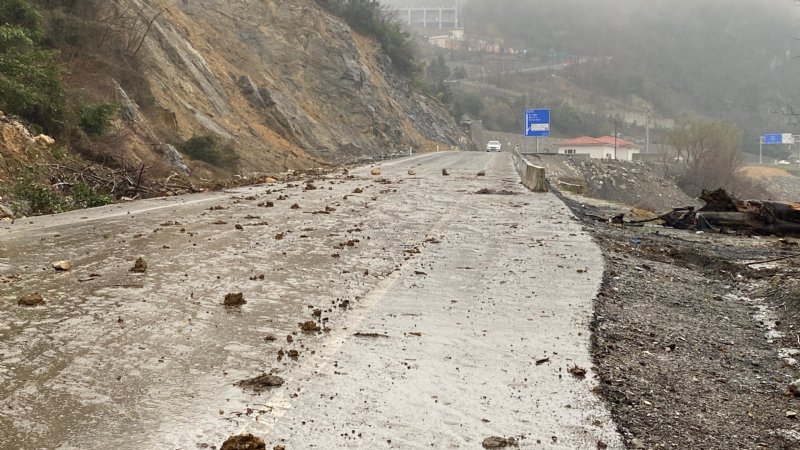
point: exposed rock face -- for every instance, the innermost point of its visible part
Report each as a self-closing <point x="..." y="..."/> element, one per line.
<point x="287" y="83"/>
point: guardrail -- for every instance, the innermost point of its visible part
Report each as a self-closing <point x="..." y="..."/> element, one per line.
<point x="533" y="177"/>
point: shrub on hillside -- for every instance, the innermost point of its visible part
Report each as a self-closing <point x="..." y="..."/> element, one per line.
<point x="211" y="149"/>
<point x="83" y="196"/>
<point x="95" y="119"/>
<point x="34" y="199"/>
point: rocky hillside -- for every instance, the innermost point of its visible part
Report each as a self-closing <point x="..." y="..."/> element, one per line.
<point x="281" y="82"/>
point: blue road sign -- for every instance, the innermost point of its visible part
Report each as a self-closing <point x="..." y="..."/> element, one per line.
<point x="777" y="138"/>
<point x="537" y="122"/>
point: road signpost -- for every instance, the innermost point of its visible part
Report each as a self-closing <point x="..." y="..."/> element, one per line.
<point x="537" y="124"/>
<point x="773" y="139"/>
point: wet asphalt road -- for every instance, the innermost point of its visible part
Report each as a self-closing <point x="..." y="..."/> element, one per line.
<point x="464" y="293"/>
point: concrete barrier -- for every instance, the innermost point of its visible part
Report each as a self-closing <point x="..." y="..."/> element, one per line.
<point x="533" y="177"/>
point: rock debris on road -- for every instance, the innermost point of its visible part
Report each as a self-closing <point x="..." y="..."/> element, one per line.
<point x="446" y="317"/>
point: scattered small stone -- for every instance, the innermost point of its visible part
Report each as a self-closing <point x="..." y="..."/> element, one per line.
<point x="279" y="447"/>
<point x="370" y="335"/>
<point x="601" y="445"/>
<point x="637" y="443"/>
<point x="309" y="326"/>
<point x="412" y="172"/>
<point x="578" y="372"/>
<point x="267" y="204"/>
<point x="445" y="172"/>
<point x="358" y="191"/>
<point x="236" y="299"/>
<point x="791" y="414"/>
<point x="541" y="361"/>
<point x="140" y="266"/>
<point x="270" y="338"/>
<point x="482" y="173"/>
<point x="219" y="222"/>
<point x="270" y="180"/>
<point x="279" y="237"/>
<point x="295" y="206"/>
<point x="244" y="442"/>
<point x="794" y="388"/>
<point x="32" y="299"/>
<point x="289" y="338"/>
<point x="239" y="227"/>
<point x="294" y="354"/>
<point x="487" y="191"/>
<point x="499" y="442"/>
<point x="376" y="171"/>
<point x="62" y="266"/>
<point x="261" y="383"/>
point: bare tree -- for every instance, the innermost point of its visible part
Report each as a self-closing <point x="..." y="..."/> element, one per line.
<point x="709" y="153"/>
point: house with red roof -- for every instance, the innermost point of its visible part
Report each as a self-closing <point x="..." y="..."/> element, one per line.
<point x="603" y="147"/>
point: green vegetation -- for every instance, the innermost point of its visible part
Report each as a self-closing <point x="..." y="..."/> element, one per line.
<point x="83" y="196"/>
<point x="30" y="84"/>
<point x="370" y="18"/>
<point x="211" y="149"/>
<point x="95" y="119"/>
<point x="34" y="197"/>
<point x="436" y="75"/>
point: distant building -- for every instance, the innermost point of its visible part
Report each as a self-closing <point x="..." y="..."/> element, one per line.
<point x="599" y="148"/>
<point x="455" y="40"/>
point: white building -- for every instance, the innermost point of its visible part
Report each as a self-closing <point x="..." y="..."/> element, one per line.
<point x="599" y="148"/>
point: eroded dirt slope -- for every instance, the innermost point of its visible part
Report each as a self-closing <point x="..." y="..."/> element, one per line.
<point x="286" y="83"/>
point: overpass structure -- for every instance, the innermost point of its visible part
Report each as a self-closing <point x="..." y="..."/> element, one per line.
<point x="440" y="17"/>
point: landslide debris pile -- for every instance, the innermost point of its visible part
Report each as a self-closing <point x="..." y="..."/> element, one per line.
<point x="631" y="183"/>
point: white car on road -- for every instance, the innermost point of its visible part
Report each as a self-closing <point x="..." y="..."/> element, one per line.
<point x="493" y="146"/>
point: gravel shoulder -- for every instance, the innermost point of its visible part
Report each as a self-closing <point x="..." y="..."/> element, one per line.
<point x="695" y="348"/>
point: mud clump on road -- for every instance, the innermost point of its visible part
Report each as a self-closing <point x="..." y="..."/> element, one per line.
<point x="244" y="442"/>
<point x="32" y="299"/>
<point x="499" y="442"/>
<point x="261" y="383"/>
<point x="578" y="372"/>
<point x="140" y="266"/>
<point x="236" y="299"/>
<point x="309" y="326"/>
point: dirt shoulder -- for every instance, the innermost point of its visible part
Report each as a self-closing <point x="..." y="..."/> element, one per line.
<point x="693" y="346"/>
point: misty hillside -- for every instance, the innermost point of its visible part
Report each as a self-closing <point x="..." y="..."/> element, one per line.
<point x="742" y="67"/>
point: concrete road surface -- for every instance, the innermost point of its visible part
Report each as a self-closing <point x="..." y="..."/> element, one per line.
<point x="434" y="302"/>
